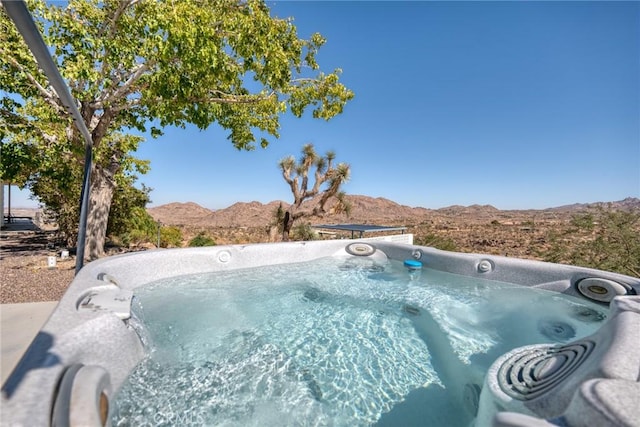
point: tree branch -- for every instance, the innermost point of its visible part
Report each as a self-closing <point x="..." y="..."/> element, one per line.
<point x="304" y="213"/>
<point x="111" y="26"/>
<point x="8" y="115"/>
<point x="293" y="182"/>
<point x="48" y="96"/>
<point x="125" y="106"/>
<point x="319" y="180"/>
<point x="227" y="98"/>
<point x="304" y="80"/>
<point x="124" y="90"/>
<point x="101" y="128"/>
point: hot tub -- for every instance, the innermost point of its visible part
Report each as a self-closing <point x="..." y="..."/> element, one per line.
<point x="578" y="371"/>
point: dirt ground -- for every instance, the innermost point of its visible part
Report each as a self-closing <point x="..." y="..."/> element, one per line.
<point x="25" y="275"/>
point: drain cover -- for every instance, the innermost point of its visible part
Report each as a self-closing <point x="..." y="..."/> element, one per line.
<point x="556" y="330"/>
<point x="530" y="373"/>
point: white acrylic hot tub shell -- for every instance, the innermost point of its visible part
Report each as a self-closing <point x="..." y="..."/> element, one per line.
<point x="89" y="326"/>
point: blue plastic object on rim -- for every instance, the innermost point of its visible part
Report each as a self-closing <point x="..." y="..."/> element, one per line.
<point x="412" y="264"/>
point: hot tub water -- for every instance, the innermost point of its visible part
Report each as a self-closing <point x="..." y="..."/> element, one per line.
<point x="331" y="342"/>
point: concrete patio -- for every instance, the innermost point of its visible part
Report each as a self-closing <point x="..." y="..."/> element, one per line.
<point x="19" y="324"/>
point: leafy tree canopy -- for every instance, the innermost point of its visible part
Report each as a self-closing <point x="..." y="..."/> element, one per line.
<point x="193" y="61"/>
<point x="141" y="65"/>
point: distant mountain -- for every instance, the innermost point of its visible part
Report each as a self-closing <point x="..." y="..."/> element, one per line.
<point x="630" y="203"/>
<point x="252" y="214"/>
<point x="365" y="209"/>
<point x="481" y="210"/>
<point x="179" y="213"/>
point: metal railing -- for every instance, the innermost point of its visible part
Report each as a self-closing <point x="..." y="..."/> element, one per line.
<point x="21" y="17"/>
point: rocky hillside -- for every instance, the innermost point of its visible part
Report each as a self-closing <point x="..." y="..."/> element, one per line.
<point x="364" y="210"/>
<point x="179" y="213"/>
<point x="629" y="204"/>
<point x="241" y="214"/>
<point x="255" y="214"/>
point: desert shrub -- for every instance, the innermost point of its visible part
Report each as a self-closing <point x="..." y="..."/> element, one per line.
<point x="438" y="242"/>
<point x="128" y="211"/>
<point x="170" y="237"/>
<point x="139" y="228"/>
<point x="202" y="240"/>
<point x="135" y="238"/>
<point x="604" y="239"/>
<point x="304" y="232"/>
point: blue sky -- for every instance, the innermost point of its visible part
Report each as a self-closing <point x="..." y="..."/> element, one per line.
<point x="514" y="104"/>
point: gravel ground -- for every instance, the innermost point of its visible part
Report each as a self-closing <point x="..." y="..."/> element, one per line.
<point x="24" y="272"/>
<point x="28" y="279"/>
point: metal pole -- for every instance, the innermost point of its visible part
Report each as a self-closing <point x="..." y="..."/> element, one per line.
<point x="84" y="209"/>
<point x="9" y="206"/>
<point x="21" y="17"/>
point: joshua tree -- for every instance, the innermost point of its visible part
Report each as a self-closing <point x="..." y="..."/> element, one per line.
<point x="312" y="202"/>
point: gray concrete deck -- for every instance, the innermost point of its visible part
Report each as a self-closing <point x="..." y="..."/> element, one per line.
<point x="19" y="324"/>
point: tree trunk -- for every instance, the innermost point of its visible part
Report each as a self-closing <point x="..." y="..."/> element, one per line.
<point x="287" y="223"/>
<point x="102" y="189"/>
<point x="273" y="233"/>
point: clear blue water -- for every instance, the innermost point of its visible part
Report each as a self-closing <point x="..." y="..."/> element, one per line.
<point x="334" y="342"/>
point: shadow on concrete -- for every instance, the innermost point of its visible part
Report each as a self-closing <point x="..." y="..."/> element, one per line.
<point x="37" y="357"/>
<point x="19" y="224"/>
